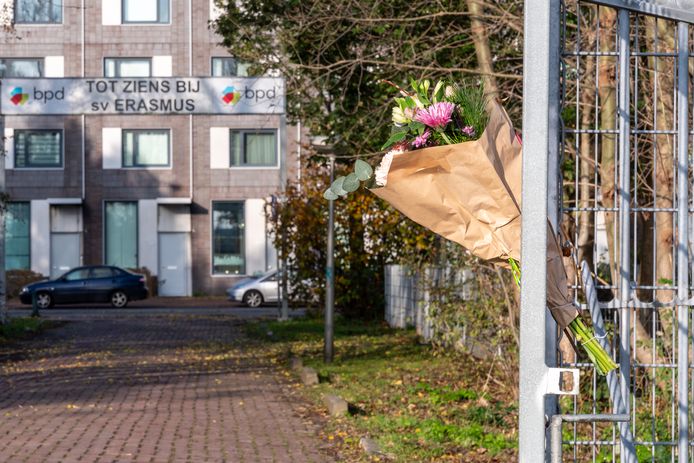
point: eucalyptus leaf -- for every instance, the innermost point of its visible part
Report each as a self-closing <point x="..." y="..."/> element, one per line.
<point x="394" y="138"/>
<point x="329" y="195"/>
<point x="363" y="170"/>
<point x="336" y="187"/>
<point x="351" y="183"/>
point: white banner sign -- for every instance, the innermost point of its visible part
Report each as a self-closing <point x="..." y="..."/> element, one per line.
<point x="171" y="95"/>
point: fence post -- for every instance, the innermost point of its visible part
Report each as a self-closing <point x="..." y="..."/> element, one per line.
<point x="536" y="104"/>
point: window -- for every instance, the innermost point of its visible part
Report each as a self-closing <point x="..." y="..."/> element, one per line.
<point x="146" y="148"/>
<point x="121" y="234"/>
<point x="21" y="67"/>
<point x="253" y="148"/>
<point x="145" y="11"/>
<point x="127" y="67"/>
<point x="228" y="67"/>
<point x="102" y="272"/>
<point x="38" y="148"/>
<point x="77" y="274"/>
<point x="227" y="238"/>
<point x="38" y="12"/>
<point x="17" y="234"/>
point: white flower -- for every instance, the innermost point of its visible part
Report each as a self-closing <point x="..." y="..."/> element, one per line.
<point x="399" y="117"/>
<point x="384" y="167"/>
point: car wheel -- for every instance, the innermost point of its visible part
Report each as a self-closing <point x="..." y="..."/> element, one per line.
<point x="119" y="299"/>
<point x="43" y="300"/>
<point x="253" y="299"/>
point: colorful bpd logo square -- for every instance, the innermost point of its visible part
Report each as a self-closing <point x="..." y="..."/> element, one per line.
<point x="17" y="97"/>
<point x="230" y="96"/>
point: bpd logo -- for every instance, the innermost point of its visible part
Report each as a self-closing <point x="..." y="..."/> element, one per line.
<point x="17" y="97"/>
<point x="230" y="96"/>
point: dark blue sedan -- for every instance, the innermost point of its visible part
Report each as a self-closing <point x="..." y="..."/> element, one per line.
<point x="99" y="283"/>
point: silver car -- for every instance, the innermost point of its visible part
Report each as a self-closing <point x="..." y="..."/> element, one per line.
<point x="256" y="290"/>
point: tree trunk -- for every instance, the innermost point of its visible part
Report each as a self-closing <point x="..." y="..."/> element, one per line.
<point x="607" y="92"/>
<point x="586" y="177"/>
<point x="484" y="56"/>
<point x="661" y="38"/>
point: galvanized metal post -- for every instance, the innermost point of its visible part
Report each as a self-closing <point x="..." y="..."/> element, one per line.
<point x="682" y="239"/>
<point x="284" y="307"/>
<point x="624" y="212"/>
<point x="3" y="212"/>
<point x="330" y="276"/>
<point x="536" y="95"/>
<point x="553" y="180"/>
<point x="626" y="436"/>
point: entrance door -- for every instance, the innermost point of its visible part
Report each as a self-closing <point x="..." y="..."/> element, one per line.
<point x="65" y="252"/>
<point x="173" y="264"/>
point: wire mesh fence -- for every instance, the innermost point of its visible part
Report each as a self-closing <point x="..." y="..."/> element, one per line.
<point x="626" y="182"/>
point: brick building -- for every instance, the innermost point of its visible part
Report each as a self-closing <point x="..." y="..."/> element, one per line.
<point x="182" y="195"/>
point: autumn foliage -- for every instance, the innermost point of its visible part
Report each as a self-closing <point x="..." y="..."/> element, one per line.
<point x="368" y="235"/>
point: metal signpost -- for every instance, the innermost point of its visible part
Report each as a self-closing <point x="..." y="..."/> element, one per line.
<point x="328" y="352"/>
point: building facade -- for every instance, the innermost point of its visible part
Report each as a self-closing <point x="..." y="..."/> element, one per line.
<point x="181" y="195"/>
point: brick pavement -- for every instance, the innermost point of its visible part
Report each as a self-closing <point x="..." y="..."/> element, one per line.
<point x="155" y="389"/>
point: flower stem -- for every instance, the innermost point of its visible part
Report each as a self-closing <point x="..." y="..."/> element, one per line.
<point x="584" y="335"/>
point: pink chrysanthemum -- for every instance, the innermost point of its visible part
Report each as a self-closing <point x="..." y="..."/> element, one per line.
<point x="421" y="140"/>
<point x="469" y="131"/>
<point x="436" y="116"/>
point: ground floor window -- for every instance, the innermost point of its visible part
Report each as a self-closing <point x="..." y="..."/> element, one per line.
<point x="228" y="257"/>
<point x="121" y="234"/>
<point x="17" y="236"/>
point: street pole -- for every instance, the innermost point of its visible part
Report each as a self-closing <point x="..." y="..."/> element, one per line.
<point x="284" y="314"/>
<point x="330" y="275"/>
<point x="3" y="211"/>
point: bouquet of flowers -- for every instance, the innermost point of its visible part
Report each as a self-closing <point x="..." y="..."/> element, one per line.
<point x="454" y="166"/>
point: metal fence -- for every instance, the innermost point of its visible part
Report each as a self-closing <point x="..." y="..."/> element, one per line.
<point x="408" y="299"/>
<point x="607" y="155"/>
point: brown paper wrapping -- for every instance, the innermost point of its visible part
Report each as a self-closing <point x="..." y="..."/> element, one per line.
<point x="470" y="193"/>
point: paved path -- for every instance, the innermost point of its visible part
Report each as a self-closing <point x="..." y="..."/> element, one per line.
<point x="160" y="388"/>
